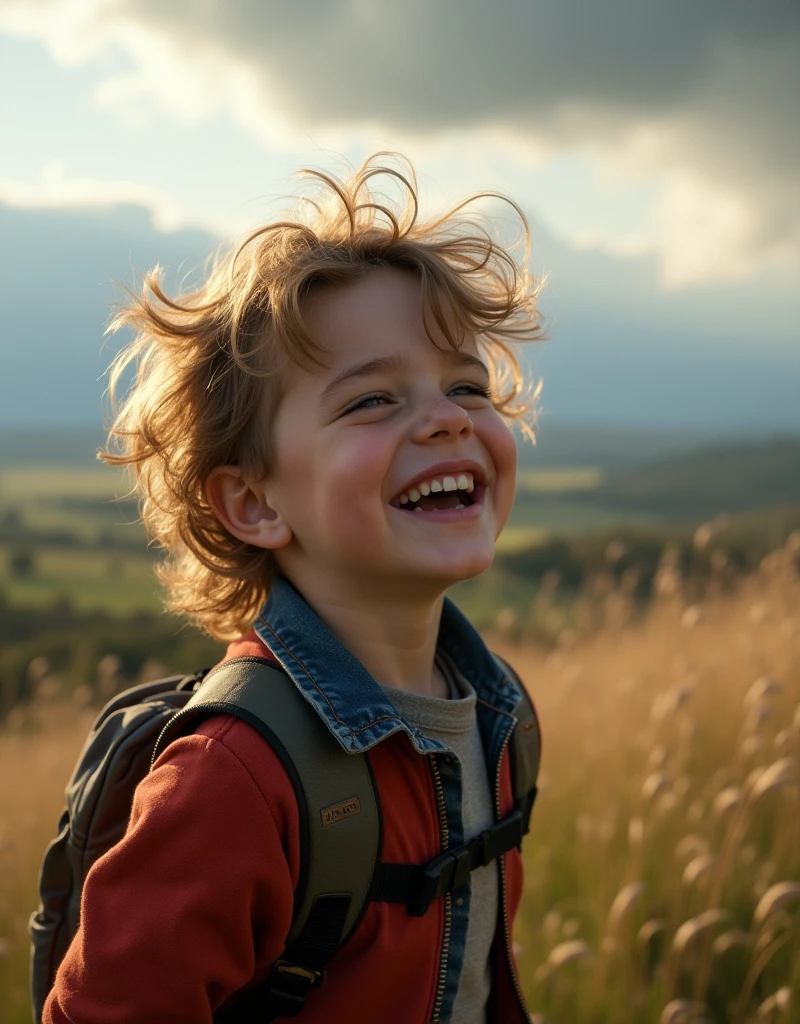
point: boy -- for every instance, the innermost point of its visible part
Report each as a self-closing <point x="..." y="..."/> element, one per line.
<point x="321" y="449"/>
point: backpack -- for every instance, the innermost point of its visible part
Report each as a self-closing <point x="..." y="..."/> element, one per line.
<point x="340" y="824"/>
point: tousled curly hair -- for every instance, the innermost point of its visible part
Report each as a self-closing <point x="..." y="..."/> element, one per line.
<point x="208" y="363"/>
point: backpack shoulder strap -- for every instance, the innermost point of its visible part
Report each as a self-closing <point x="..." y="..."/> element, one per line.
<point x="340" y="824"/>
<point x="524" y="749"/>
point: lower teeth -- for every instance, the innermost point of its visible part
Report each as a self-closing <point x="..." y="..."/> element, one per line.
<point x="420" y="509"/>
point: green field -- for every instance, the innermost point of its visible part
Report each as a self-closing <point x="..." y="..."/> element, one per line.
<point x="88" y="547"/>
<point x="71" y="532"/>
<point x="89" y="579"/>
<point x="560" y="481"/>
<point x="23" y="484"/>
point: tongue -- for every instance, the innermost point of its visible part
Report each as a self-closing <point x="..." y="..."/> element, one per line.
<point x="430" y="502"/>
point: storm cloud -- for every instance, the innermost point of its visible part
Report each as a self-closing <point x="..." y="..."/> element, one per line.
<point x="702" y="97"/>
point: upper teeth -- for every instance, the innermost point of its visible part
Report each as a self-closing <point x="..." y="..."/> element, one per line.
<point x="462" y="482"/>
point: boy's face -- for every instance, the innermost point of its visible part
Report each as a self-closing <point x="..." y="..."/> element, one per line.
<point x="389" y="417"/>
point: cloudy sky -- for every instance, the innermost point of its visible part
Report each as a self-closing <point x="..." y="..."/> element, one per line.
<point x="654" y="147"/>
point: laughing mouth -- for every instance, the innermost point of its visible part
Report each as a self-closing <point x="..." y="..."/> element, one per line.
<point x="440" y="493"/>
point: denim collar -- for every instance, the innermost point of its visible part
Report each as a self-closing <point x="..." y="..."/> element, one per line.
<point x="347" y="698"/>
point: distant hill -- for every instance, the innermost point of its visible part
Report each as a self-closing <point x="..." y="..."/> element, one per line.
<point x="724" y="477"/>
<point x="561" y="445"/>
<point x="75" y="446"/>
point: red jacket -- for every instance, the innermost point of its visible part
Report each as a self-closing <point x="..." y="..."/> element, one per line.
<point x="193" y="905"/>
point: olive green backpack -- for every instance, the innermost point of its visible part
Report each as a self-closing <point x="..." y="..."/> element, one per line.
<point x="340" y="823"/>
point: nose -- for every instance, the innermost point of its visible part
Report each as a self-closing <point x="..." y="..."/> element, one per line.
<point x="441" y="419"/>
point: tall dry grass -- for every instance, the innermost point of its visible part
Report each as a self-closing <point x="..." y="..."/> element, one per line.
<point x="663" y="865"/>
<point x="38" y="748"/>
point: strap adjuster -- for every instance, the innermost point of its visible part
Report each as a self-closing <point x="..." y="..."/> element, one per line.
<point x="501" y="837"/>
<point x="286" y="967"/>
<point x="418" y="887"/>
<point x="288" y="987"/>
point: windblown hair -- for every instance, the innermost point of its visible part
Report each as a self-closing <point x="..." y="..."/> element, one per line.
<point x="208" y="363"/>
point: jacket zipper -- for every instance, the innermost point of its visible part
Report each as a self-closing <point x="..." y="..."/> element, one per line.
<point x="503" y="899"/>
<point x="444" y="838"/>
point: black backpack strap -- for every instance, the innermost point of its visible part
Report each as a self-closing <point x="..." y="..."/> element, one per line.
<point x="419" y="885"/>
<point x="340" y="825"/>
<point x="524" y="749"/>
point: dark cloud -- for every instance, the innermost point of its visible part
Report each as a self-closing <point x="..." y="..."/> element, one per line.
<point x="701" y="95"/>
<point x="429" y="63"/>
<point x="711" y="87"/>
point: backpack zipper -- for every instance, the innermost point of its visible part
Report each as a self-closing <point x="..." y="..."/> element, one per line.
<point x="503" y="896"/>
<point x="444" y="838"/>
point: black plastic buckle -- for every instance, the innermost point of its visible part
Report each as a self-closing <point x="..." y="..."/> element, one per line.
<point x="315" y="978"/>
<point x="463" y="857"/>
<point x="501" y="838"/>
<point x="451" y="869"/>
<point x="435" y="880"/>
<point x="289" y="985"/>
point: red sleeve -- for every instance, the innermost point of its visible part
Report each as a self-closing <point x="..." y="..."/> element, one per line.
<point x="196" y="900"/>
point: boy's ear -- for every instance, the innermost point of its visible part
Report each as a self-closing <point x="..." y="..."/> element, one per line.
<point x="244" y="509"/>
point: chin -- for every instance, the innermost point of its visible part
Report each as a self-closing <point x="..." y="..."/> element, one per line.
<point x="462" y="567"/>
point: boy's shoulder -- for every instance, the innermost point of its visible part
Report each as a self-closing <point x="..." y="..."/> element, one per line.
<point x="227" y="738"/>
<point x="238" y="756"/>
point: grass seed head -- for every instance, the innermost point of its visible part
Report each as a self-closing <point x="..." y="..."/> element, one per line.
<point x="783" y="741"/>
<point x="636" y="831"/>
<point x="650" y="930"/>
<point x="665" y="804"/>
<point x="781" y="773"/>
<point x="657" y="757"/>
<point x="725" y="801"/>
<point x="695" y="926"/>
<point x="777" y="1003"/>
<point x="763" y="687"/>
<point x="734" y="938"/>
<point x="655" y="784"/>
<point x="623" y="904"/>
<point x="693" y="616"/>
<point x="692" y="845"/>
<point x="699" y="869"/>
<point x="680" y="1011"/>
<point x="567" y="953"/>
<point x="778" y="896"/>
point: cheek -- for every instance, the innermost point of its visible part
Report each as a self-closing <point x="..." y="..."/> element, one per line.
<point x="357" y="466"/>
<point x="503" y="449"/>
<point x="342" y="487"/>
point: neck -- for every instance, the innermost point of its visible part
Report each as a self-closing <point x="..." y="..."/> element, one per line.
<point x="393" y="638"/>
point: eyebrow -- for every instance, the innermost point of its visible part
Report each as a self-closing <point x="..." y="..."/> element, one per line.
<point x="393" y="364"/>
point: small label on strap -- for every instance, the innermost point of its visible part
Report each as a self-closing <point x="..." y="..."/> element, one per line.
<point x="346" y="809"/>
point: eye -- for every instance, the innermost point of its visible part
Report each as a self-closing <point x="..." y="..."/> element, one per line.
<point x="472" y="389"/>
<point x="368" y="402"/>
